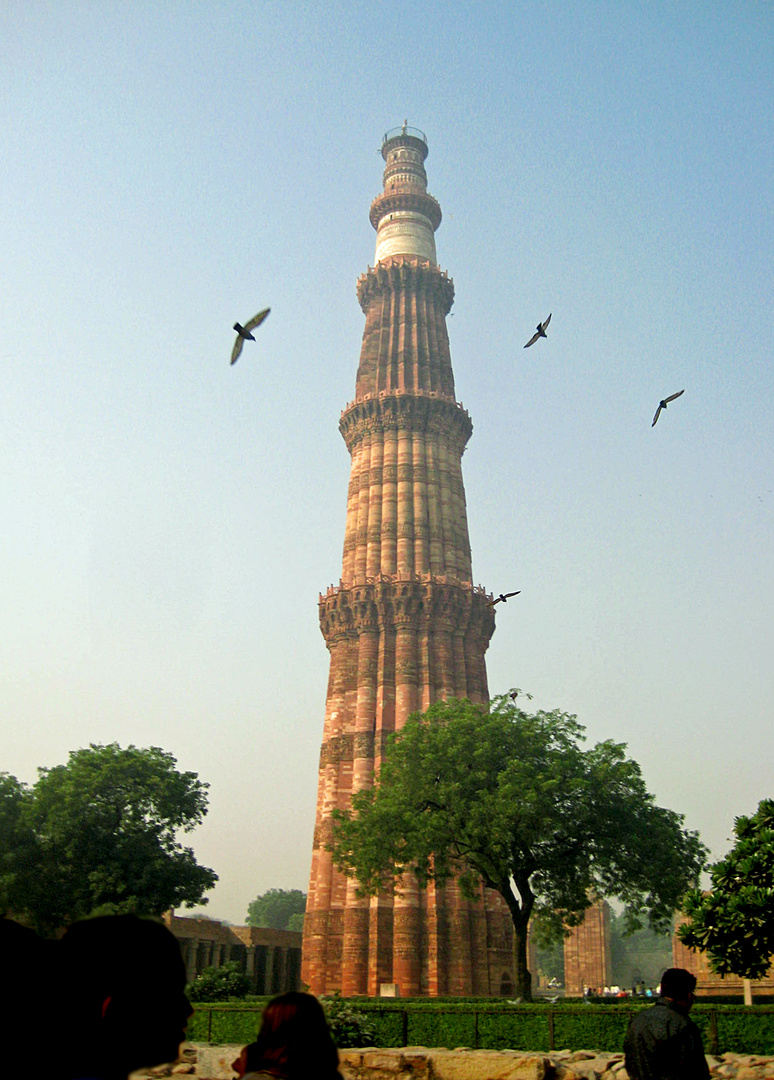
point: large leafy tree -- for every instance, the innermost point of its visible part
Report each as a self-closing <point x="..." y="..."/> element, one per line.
<point x="734" y="922"/>
<point x="282" y="909"/>
<point x="100" y="834"/>
<point x="513" y="800"/>
<point x="19" y="849"/>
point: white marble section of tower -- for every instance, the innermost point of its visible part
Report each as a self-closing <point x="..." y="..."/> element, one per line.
<point x="404" y="215"/>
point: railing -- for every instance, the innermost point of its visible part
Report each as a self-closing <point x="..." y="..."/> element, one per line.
<point x="404" y="130"/>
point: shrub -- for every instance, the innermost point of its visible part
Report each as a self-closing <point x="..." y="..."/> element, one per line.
<point x="349" y="1025"/>
<point x="219" y="983"/>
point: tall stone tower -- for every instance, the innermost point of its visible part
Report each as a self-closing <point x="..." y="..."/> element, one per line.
<point x="405" y="626"/>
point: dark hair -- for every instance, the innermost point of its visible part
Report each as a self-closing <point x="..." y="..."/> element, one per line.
<point x="294" y="1040"/>
<point x="118" y="949"/>
<point x="677" y="983"/>
<point x="124" y="1005"/>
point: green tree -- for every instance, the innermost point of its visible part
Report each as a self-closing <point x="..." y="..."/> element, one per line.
<point x="19" y="850"/>
<point x="219" y="983"/>
<point x="499" y="796"/>
<point x="296" y="922"/>
<point x="734" y="923"/>
<point x="278" y="908"/>
<point x="100" y="835"/>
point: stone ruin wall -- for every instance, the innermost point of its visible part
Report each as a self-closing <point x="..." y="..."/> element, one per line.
<point x="271" y="959"/>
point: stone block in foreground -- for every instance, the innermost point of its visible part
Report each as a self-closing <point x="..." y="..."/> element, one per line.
<point x="206" y="1062"/>
<point x="419" y="1063"/>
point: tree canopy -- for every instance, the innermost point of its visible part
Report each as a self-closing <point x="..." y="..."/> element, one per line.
<point x="19" y="854"/>
<point x="512" y="799"/>
<point x="734" y="922"/>
<point x="99" y="834"/>
<point x="282" y="909"/>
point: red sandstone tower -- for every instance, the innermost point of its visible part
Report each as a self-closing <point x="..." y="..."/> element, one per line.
<point x="405" y="626"/>
<point x="587" y="961"/>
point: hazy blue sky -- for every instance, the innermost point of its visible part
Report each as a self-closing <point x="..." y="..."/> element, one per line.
<point x="168" y="522"/>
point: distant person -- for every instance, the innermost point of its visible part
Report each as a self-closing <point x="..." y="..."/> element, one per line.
<point x="122" y="987"/>
<point x="294" y="1043"/>
<point x="662" y="1043"/>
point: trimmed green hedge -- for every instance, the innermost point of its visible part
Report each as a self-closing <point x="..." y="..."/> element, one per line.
<point x="492" y="1026"/>
<point x="513" y="1030"/>
<point x="221" y="1022"/>
<point x="740" y="1029"/>
<point x="485" y="1024"/>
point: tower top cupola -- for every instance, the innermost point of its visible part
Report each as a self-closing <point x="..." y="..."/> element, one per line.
<point x="404" y="215"/>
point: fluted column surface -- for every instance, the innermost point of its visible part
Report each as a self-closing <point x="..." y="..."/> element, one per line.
<point x="405" y="626"/>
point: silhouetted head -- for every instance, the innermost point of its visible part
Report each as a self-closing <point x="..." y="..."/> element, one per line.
<point x="294" y="1040"/>
<point x="123" y="987"/>
<point x="678" y="984"/>
<point x="28" y="974"/>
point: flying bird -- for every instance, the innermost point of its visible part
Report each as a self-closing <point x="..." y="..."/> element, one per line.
<point x="541" y="332"/>
<point x="243" y="333"/>
<point x="503" y="597"/>
<point x="663" y="404"/>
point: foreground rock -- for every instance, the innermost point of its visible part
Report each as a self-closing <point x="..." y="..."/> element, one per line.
<point x="420" y="1063"/>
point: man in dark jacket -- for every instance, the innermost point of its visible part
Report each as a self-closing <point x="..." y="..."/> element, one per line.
<point x="662" y="1043"/>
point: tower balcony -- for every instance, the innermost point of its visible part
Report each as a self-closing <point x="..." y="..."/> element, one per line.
<point x="409" y="137"/>
<point x="413" y="133"/>
<point x="406" y="200"/>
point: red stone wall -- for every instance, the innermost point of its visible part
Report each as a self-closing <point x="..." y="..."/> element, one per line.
<point x="587" y="952"/>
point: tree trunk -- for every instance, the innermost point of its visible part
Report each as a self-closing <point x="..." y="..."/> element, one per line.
<point x="523" y="974"/>
<point x="520" y="913"/>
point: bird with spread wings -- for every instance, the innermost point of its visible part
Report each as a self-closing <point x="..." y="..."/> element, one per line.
<point x="663" y="404"/>
<point x="243" y="333"/>
<point x="503" y="598"/>
<point x="540" y="332"/>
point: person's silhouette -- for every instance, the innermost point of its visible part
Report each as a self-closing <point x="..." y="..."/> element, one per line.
<point x="123" y="986"/>
<point x="662" y="1043"/>
<point x="294" y="1043"/>
<point x="28" y="972"/>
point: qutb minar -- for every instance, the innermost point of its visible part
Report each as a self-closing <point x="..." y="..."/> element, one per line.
<point x="405" y="626"/>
